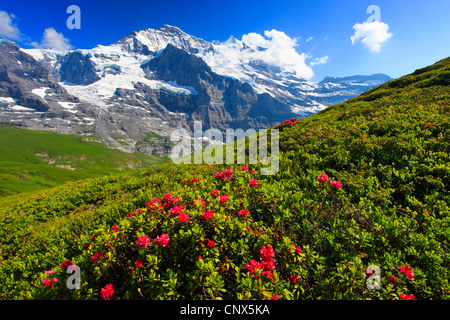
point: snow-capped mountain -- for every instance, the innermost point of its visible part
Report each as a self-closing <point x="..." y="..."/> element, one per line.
<point x="156" y="81"/>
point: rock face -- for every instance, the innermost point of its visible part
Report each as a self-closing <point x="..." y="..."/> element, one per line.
<point x="153" y="82"/>
<point x="77" y="68"/>
<point x="219" y="102"/>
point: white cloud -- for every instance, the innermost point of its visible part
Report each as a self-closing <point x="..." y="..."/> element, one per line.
<point x="309" y="39"/>
<point x="7" y="28"/>
<point x="371" y="34"/>
<point x="54" y="40"/>
<point x="320" y="60"/>
<point x="277" y="49"/>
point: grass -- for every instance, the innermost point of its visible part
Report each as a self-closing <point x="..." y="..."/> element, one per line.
<point x="31" y="160"/>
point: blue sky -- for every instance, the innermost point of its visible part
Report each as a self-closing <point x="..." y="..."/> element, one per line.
<point x="409" y="34"/>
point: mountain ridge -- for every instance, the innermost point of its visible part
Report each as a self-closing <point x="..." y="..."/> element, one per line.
<point x="111" y="93"/>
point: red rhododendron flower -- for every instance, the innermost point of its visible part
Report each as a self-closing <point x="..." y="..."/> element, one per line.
<point x="323" y="178"/>
<point x="138" y="263"/>
<point x="185" y="181"/>
<point x="266" y="253"/>
<point x="407" y="296"/>
<point x="297" y="249"/>
<point x="97" y="256"/>
<point x="153" y="204"/>
<point x="194" y="179"/>
<point x="50" y="272"/>
<point x="208" y="214"/>
<point x="253" y="182"/>
<point x="252" y="265"/>
<point x="223" y="198"/>
<point x="66" y="264"/>
<point x="200" y="258"/>
<point x="293" y="278"/>
<point x="86" y="245"/>
<point x="244" y="168"/>
<point x="115" y="227"/>
<point x="267" y="264"/>
<point x="289" y="122"/>
<point x="92" y="236"/>
<point x="392" y="279"/>
<point x="408" y="271"/>
<point x="243" y="213"/>
<point x="143" y="241"/>
<point x="275" y="297"/>
<point x="219" y="175"/>
<point x="54" y="280"/>
<point x="163" y="239"/>
<point x="129" y="215"/>
<point x="107" y="292"/>
<point x="228" y="173"/>
<point x="183" y="217"/>
<point x="369" y="272"/>
<point x="336" y="184"/>
<point x="214" y="192"/>
<point x="211" y="243"/>
<point x="46" y="282"/>
<point x="176" y="210"/>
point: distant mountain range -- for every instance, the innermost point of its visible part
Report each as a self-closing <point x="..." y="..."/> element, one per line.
<point x="156" y="81"/>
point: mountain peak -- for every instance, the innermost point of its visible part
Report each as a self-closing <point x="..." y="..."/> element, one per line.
<point x="158" y="39"/>
<point x="169" y="28"/>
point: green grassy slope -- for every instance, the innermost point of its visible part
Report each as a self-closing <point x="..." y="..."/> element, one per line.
<point x="31" y="160"/>
<point x="389" y="148"/>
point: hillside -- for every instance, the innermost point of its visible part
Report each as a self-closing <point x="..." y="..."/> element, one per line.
<point x="31" y="160"/>
<point x="361" y="184"/>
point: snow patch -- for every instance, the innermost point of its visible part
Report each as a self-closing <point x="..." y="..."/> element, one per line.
<point x="40" y="91"/>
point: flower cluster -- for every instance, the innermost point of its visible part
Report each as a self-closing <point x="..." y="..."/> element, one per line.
<point x="208" y="214"/>
<point x="97" y="256"/>
<point x="408" y="271"/>
<point x="253" y="182"/>
<point x="163" y="239"/>
<point x="289" y="122"/>
<point x="293" y="278"/>
<point x="227" y="174"/>
<point x="223" y="198"/>
<point x="266" y="264"/>
<point x="166" y="202"/>
<point x="183" y="217"/>
<point x="107" y="292"/>
<point x="48" y="282"/>
<point x="407" y="296"/>
<point x="243" y="213"/>
<point x="336" y="184"/>
<point x="143" y="241"/>
<point x="323" y="177"/>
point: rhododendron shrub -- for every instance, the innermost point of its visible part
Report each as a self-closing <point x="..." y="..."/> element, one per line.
<point x="193" y="244"/>
<point x="217" y="241"/>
